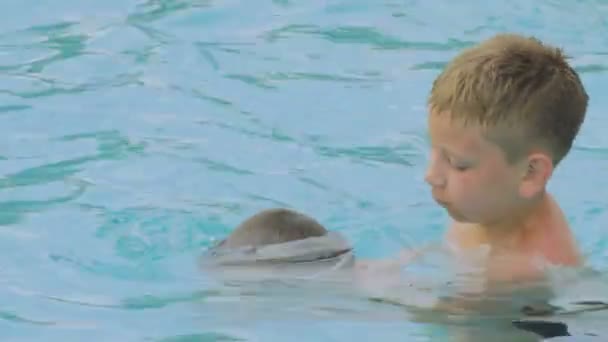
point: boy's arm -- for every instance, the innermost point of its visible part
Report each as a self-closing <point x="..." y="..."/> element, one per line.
<point x="406" y="256"/>
<point x="403" y="258"/>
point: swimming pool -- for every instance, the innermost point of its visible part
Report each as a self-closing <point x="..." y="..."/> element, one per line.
<point x="133" y="134"/>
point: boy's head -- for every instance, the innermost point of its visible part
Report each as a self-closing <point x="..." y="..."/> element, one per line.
<point x="502" y="115"/>
<point x="280" y="239"/>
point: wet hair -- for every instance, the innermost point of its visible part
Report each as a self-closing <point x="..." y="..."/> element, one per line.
<point x="279" y="235"/>
<point x="272" y="226"/>
<point x="519" y="84"/>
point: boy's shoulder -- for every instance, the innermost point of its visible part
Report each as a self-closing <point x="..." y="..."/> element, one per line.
<point x="556" y="240"/>
<point x="552" y="239"/>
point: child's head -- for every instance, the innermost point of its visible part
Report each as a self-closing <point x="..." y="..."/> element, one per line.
<point x="273" y="226"/>
<point x="280" y="239"/>
<point x="502" y="115"/>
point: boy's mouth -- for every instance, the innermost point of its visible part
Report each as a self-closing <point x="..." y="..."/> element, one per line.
<point x="451" y="211"/>
<point x="440" y="202"/>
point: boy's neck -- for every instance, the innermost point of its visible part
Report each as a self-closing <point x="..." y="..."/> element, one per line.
<point x="512" y="233"/>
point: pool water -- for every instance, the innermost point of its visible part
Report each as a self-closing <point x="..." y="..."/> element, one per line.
<point x="134" y="134"/>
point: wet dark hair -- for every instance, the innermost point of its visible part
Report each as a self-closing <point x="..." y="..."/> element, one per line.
<point x="279" y="235"/>
<point x="272" y="226"/>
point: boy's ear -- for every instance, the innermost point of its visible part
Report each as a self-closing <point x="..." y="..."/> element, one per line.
<point x="538" y="170"/>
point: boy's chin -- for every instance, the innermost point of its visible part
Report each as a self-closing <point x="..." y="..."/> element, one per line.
<point x="457" y="216"/>
<point x="461" y="220"/>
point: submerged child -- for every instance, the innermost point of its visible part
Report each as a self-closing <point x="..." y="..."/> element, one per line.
<point x="280" y="243"/>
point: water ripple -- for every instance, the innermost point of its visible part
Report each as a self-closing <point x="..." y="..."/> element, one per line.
<point x="15" y="318"/>
<point x="363" y="35"/>
<point x="11" y="212"/>
<point x="205" y="337"/>
<point x="148" y="234"/>
<point x="153" y="10"/>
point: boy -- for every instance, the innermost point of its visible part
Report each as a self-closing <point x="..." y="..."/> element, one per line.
<point x="279" y="243"/>
<point x="502" y="115"/>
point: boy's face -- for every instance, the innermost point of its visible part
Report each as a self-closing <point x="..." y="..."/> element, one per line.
<point x="469" y="175"/>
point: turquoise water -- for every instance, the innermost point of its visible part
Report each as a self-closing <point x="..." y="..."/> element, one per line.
<point x="133" y="134"/>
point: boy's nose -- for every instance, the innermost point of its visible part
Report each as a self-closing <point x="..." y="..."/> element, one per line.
<point x="434" y="179"/>
<point x="433" y="176"/>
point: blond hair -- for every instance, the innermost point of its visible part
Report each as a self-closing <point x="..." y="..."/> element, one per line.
<point x="519" y="84"/>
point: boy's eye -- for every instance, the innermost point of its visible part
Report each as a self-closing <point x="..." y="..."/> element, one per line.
<point x="460" y="166"/>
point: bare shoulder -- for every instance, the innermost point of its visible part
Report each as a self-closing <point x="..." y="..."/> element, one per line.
<point x="558" y="241"/>
<point x="565" y="249"/>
